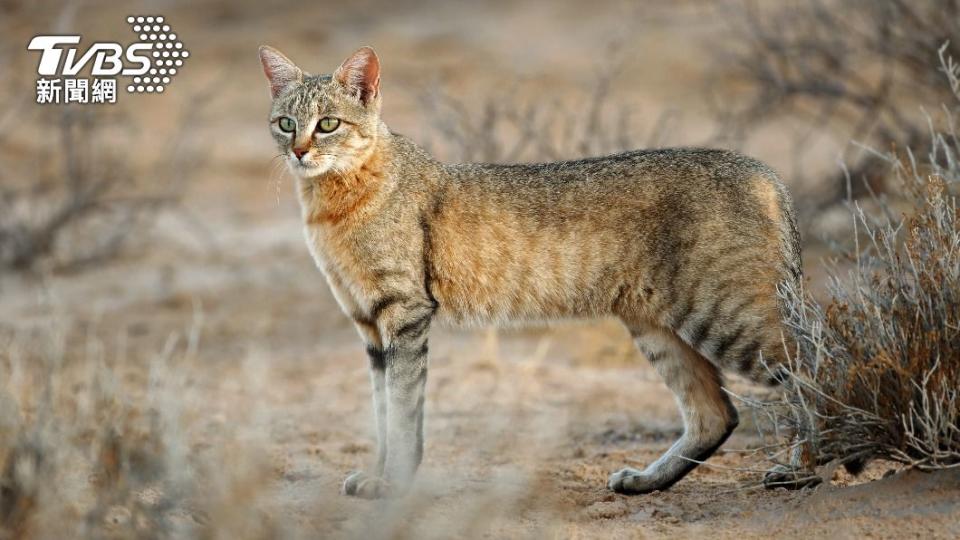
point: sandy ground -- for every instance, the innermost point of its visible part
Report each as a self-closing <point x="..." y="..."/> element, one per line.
<point x="523" y="426"/>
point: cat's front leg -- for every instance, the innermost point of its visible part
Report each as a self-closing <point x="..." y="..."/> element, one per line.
<point x="359" y="483"/>
<point x="372" y="485"/>
<point x="405" y="339"/>
<point x="399" y="374"/>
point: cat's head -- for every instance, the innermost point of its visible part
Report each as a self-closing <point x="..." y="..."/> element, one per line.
<point x="324" y="123"/>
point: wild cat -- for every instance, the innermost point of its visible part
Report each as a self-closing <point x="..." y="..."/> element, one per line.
<point x="685" y="246"/>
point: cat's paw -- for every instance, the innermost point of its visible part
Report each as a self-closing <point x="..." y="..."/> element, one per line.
<point x="789" y="478"/>
<point x="362" y="485"/>
<point x="632" y="482"/>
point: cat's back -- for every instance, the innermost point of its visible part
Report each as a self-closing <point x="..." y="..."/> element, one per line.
<point x="691" y="180"/>
<point x="686" y="169"/>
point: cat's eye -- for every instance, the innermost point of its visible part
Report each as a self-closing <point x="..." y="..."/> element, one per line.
<point x="328" y="124"/>
<point x="287" y="125"/>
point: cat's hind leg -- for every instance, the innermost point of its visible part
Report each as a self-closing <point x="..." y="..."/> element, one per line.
<point x="708" y="414"/>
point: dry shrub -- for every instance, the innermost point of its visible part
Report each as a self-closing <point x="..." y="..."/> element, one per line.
<point x="876" y="370"/>
<point x="858" y="69"/>
<point x="96" y="200"/>
<point x="77" y="213"/>
<point x="504" y="127"/>
<point x="85" y="192"/>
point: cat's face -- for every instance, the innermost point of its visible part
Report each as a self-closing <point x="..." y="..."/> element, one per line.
<point x="324" y="124"/>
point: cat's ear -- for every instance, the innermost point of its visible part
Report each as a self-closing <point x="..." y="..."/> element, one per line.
<point x="280" y="71"/>
<point x="360" y="74"/>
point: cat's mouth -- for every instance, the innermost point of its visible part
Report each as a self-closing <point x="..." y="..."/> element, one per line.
<point x="316" y="165"/>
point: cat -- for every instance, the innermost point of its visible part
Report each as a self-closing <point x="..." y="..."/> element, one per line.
<point x="686" y="246"/>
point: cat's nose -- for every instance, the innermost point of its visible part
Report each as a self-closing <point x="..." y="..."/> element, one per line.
<point x="299" y="152"/>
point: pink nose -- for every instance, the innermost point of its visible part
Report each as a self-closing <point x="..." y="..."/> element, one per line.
<point x="299" y="152"/>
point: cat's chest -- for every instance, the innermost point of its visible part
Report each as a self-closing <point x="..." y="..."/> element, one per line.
<point x="319" y="246"/>
<point x="338" y="240"/>
<point x="335" y="255"/>
<point x="354" y="266"/>
<point x="336" y="267"/>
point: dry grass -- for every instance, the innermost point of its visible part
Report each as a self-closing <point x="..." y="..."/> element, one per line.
<point x="875" y="372"/>
<point x="96" y="444"/>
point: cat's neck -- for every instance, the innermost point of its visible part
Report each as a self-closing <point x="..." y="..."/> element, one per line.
<point x="392" y="162"/>
<point x="341" y="197"/>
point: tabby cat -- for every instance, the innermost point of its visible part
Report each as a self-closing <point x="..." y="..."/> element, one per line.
<point x="686" y="246"/>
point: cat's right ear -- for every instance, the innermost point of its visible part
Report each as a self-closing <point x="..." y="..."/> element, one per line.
<point x="360" y="74"/>
<point x="280" y="71"/>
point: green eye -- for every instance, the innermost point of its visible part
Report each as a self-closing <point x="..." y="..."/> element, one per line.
<point x="287" y="124"/>
<point x="328" y="124"/>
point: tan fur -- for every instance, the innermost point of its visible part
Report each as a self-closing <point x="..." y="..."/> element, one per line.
<point x="343" y="201"/>
<point x="767" y="196"/>
<point x="686" y="246"/>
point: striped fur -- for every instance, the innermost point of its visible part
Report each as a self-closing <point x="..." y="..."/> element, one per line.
<point x="686" y="246"/>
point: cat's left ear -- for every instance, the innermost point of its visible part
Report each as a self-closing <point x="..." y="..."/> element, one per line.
<point x="360" y="74"/>
<point x="280" y="71"/>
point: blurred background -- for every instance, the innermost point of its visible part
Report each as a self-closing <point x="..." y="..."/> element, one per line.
<point x="171" y="355"/>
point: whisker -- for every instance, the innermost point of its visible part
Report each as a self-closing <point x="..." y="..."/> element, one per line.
<point x="277" y="170"/>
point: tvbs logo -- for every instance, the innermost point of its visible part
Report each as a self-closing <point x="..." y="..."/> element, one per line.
<point x="149" y="64"/>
